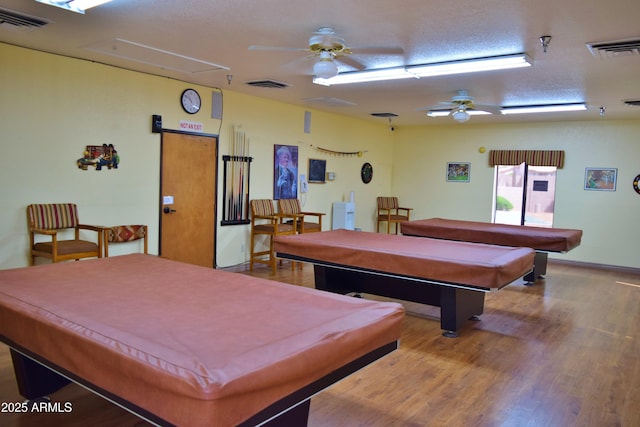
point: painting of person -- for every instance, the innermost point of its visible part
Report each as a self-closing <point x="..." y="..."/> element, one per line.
<point x="285" y="177"/>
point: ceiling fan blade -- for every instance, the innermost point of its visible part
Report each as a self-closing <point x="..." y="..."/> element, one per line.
<point x="257" y="47"/>
<point x="442" y="106"/>
<point x="493" y="109"/>
<point x="347" y="60"/>
<point x="377" y="50"/>
<point x="302" y="65"/>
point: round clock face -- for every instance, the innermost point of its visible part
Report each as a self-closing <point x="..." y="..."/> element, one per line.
<point x="191" y="101"/>
<point x="636" y="184"/>
<point x="366" y="173"/>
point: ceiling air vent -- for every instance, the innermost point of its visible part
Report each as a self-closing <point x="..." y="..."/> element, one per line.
<point x="14" y="21"/>
<point x="329" y="102"/>
<point x="384" y="115"/>
<point x="270" y="84"/>
<point x="632" y="102"/>
<point x="615" y="48"/>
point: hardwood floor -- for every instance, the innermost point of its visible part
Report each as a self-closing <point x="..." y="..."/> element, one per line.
<point x="564" y="352"/>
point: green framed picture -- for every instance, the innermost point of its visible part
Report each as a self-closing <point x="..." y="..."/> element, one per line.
<point x="458" y="172"/>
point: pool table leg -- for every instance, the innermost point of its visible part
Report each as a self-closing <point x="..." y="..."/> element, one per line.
<point x="457" y="306"/>
<point x="34" y="380"/>
<point x="539" y="268"/>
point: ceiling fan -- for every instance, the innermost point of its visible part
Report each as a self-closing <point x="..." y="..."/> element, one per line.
<point x="331" y="49"/>
<point x="461" y="107"/>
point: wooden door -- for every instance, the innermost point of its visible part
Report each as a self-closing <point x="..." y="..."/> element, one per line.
<point x="188" y="198"/>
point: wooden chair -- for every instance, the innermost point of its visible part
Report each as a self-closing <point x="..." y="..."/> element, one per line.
<point x="48" y="220"/>
<point x="125" y="233"/>
<point x="266" y="222"/>
<point x="390" y="212"/>
<point x="292" y="207"/>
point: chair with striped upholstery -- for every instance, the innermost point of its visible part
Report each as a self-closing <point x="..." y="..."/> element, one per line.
<point x="266" y="222"/>
<point x="390" y="212"/>
<point x="52" y="220"/>
<point x="125" y="233"/>
<point x="292" y="207"/>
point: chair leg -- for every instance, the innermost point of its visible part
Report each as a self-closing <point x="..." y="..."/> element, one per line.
<point x="272" y="257"/>
<point x="251" y="254"/>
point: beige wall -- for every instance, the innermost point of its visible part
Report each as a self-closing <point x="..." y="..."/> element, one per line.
<point x="606" y="218"/>
<point x="51" y="107"/>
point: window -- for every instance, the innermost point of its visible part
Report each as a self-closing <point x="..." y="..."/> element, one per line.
<point x="524" y="195"/>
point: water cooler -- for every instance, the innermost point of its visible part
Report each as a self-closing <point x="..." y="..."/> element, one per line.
<point x="344" y="215"/>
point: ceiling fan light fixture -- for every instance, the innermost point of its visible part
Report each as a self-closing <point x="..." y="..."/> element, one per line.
<point x="445" y="113"/>
<point x="461" y="115"/>
<point x="325" y="69"/>
<point x="78" y="6"/>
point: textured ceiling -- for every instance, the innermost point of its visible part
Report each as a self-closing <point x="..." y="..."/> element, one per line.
<point x="217" y="34"/>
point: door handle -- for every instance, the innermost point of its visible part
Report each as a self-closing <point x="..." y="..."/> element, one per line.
<point x="168" y="210"/>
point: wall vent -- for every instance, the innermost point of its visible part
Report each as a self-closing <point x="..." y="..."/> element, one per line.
<point x="270" y="84"/>
<point x="615" y="48"/>
<point x="14" y="21"/>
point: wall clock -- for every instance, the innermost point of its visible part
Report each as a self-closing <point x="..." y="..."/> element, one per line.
<point x="366" y="173"/>
<point x="636" y="184"/>
<point x="191" y="101"/>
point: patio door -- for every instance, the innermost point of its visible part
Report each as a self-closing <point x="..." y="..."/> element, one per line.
<point x="524" y="195"/>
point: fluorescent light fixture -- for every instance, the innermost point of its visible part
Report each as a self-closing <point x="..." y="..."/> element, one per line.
<point x="428" y="70"/>
<point x="550" y="108"/>
<point x="471" y="65"/>
<point x="366" y="76"/>
<point x="444" y="113"/>
<point x="78" y="6"/>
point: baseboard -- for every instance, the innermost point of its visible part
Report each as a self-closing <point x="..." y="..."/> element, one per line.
<point x="582" y="264"/>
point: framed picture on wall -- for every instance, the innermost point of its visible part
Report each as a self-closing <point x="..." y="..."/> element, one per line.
<point x="600" y="179"/>
<point x="317" y="170"/>
<point x="285" y="172"/>
<point x="458" y="172"/>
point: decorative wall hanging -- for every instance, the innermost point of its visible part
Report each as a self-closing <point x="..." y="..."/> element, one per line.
<point x="366" y="173"/>
<point x="636" y="184"/>
<point x="99" y="156"/>
<point x="235" y="188"/>
<point x="601" y="179"/>
<point x="340" y="153"/>
<point x="285" y="172"/>
<point x="458" y="172"/>
<point x="317" y="170"/>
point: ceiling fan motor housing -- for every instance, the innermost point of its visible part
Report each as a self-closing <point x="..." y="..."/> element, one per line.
<point x="325" y="39"/>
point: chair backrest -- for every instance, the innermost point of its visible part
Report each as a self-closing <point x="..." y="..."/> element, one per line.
<point x="262" y="207"/>
<point x="52" y="216"/>
<point x="126" y="233"/>
<point x="387" y="202"/>
<point x="289" y="206"/>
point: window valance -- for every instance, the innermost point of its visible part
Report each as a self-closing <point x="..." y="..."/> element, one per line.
<point x="530" y="157"/>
